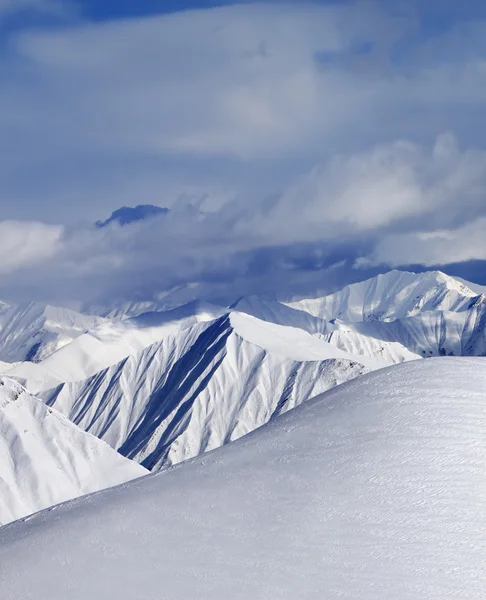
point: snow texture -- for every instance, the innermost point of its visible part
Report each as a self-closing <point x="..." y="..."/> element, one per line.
<point x="109" y="343"/>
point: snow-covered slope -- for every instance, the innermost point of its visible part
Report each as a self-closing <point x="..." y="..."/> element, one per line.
<point x="376" y="490"/>
<point x="281" y="314"/>
<point x="45" y="459"/>
<point x="34" y="331"/>
<point x="388" y="349"/>
<point x="394" y="295"/>
<point x="205" y="386"/>
<point x="109" y="343"/>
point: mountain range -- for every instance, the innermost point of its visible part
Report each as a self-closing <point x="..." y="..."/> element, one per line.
<point x="165" y="386"/>
<point x="325" y="407"/>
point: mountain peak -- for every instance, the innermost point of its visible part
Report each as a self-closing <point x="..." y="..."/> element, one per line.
<point x="130" y="214"/>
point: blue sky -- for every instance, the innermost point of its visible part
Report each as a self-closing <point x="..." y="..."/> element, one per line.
<point x="311" y="134"/>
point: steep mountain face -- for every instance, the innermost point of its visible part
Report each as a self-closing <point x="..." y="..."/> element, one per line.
<point x="205" y="386"/>
<point x="34" y="331"/>
<point x="45" y="459"/>
<point x="131" y="214"/>
<point x="394" y="295"/>
<point x="373" y="490"/>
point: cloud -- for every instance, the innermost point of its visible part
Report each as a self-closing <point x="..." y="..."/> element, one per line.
<point x="25" y="244"/>
<point x="377" y="204"/>
<point x="433" y="248"/>
<point x="310" y="133"/>
<point x="240" y="98"/>
<point x="398" y="185"/>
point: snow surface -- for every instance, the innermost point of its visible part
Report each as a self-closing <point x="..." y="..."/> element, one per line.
<point x="374" y="490"/>
<point x="45" y="459"/>
<point x="203" y="387"/>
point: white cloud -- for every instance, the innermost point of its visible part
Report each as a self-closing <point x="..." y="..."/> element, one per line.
<point x="240" y="80"/>
<point x="434" y="248"/>
<point x="394" y="185"/>
<point x="26" y="244"/>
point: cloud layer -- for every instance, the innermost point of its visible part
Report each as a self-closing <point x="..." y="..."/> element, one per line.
<point x="305" y="132"/>
<point x="392" y="205"/>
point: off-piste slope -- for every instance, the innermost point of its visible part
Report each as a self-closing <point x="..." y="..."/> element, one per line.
<point x="203" y="387"/>
<point x="394" y="295"/>
<point x="374" y="490"/>
<point x="34" y="331"/>
<point x="45" y="459"/>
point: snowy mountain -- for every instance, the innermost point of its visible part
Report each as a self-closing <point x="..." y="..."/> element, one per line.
<point x="165" y="386"/>
<point x="431" y="333"/>
<point x="394" y="295"/>
<point x="34" y="331"/>
<point x="203" y="387"/>
<point x="393" y="317"/>
<point x="164" y="301"/>
<point x="45" y="459"/>
<point x="372" y="490"/>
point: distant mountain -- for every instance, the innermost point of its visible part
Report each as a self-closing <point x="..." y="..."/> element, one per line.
<point x="129" y="214"/>
<point x="32" y="332"/>
<point x="46" y="459"/>
<point x="374" y="490"/>
<point x="390" y="296"/>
